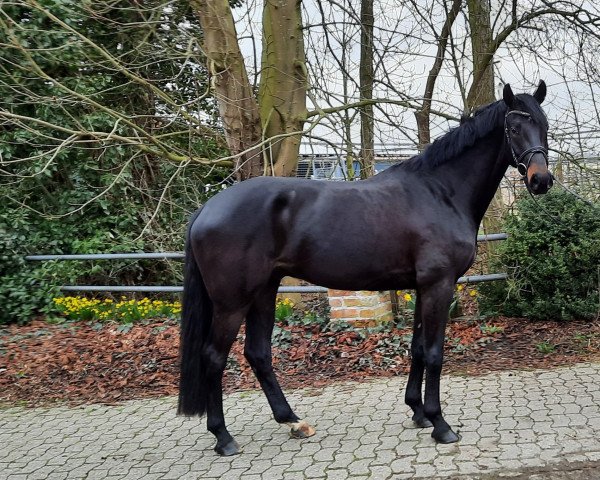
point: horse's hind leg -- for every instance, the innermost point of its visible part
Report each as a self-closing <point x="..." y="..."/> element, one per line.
<point x="259" y="328"/>
<point x="435" y="304"/>
<point x="224" y="329"/>
<point x="413" y="397"/>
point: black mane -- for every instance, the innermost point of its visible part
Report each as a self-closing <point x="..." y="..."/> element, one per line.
<point x="483" y="121"/>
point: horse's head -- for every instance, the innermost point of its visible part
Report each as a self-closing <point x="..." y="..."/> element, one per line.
<point x="526" y="130"/>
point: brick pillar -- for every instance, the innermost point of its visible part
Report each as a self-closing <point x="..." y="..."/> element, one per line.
<point x="361" y="308"/>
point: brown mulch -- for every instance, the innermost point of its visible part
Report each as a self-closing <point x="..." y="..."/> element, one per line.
<point x="80" y="363"/>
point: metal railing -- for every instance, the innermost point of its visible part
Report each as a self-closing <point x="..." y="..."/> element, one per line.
<point x="180" y="255"/>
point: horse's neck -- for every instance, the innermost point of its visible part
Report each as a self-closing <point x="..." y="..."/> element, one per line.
<point x="476" y="175"/>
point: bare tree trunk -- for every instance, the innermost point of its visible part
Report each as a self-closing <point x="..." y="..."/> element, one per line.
<point x="482" y="44"/>
<point x="482" y="90"/>
<point x="282" y="90"/>
<point x="237" y="106"/>
<point x="367" y="135"/>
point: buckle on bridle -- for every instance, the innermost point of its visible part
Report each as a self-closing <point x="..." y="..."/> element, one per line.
<point x="522" y="166"/>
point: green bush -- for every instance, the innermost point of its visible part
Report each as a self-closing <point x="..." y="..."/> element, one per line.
<point x="553" y="264"/>
<point x="88" y="193"/>
<point x="27" y="287"/>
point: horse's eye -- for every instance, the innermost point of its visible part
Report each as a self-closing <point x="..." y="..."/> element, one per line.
<point x="514" y="130"/>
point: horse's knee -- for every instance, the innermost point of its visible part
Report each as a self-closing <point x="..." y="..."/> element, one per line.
<point x="433" y="360"/>
<point x="416" y="348"/>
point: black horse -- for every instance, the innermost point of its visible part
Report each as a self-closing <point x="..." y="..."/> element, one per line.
<point x="413" y="226"/>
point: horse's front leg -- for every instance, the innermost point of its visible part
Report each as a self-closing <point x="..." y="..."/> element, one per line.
<point x="435" y="303"/>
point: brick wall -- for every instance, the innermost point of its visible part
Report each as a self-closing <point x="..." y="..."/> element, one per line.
<point x="362" y="308"/>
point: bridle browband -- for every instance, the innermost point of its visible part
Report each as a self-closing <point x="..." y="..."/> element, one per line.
<point x="518" y="161"/>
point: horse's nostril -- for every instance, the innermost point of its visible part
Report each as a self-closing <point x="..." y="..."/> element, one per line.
<point x="539" y="183"/>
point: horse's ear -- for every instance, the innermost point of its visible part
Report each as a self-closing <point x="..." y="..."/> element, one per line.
<point x="540" y="93"/>
<point x="508" y="95"/>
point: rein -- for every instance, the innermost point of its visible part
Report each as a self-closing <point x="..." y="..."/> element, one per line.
<point x="578" y="197"/>
<point x="555" y="219"/>
<point x="518" y="161"/>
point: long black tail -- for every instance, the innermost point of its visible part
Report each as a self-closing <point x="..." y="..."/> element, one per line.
<point x="196" y="318"/>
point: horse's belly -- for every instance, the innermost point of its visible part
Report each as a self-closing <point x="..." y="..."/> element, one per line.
<point x="352" y="272"/>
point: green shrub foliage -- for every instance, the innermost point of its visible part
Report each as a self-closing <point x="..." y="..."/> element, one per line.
<point x="553" y="265"/>
<point x="88" y="193"/>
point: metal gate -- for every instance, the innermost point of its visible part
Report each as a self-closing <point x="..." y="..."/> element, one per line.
<point x="180" y="255"/>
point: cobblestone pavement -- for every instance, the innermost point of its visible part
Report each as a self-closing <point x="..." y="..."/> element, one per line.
<point x="512" y="422"/>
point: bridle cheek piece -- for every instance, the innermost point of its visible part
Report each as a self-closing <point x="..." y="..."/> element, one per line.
<point x="521" y="162"/>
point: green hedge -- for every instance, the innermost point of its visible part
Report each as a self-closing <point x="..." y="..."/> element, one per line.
<point x="552" y="256"/>
<point x="27" y="288"/>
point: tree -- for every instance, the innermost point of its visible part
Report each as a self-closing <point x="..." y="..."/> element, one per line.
<point x="264" y="134"/>
<point x="367" y="79"/>
<point x="93" y="149"/>
<point x="238" y="109"/>
<point x="263" y="127"/>
<point x="283" y="84"/>
<point x="171" y="116"/>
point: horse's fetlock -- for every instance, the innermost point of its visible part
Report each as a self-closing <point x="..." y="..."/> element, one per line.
<point x="412" y="400"/>
<point x="215" y="427"/>
<point x="283" y="415"/>
<point x="432" y="413"/>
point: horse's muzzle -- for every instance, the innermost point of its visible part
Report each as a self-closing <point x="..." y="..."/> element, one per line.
<point x="540" y="183"/>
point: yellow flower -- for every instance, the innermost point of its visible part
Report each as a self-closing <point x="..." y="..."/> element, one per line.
<point x="108" y="308"/>
<point x="407" y="297"/>
<point x="473" y="293"/>
<point x="459" y="288"/>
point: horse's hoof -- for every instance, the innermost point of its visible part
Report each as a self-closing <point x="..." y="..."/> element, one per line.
<point x="231" y="448"/>
<point x="301" y="430"/>
<point x="422" y="422"/>
<point x="447" y="436"/>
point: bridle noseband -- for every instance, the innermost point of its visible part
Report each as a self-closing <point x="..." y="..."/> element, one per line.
<point x="519" y="161"/>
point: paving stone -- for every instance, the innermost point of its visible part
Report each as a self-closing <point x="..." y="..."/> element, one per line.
<point x="384" y="457"/>
<point x="359" y="467"/>
<point x="380" y="472"/>
<point x="325" y="454"/>
<point x="316" y="470"/>
<point x="507" y="421"/>
<point x="299" y="464"/>
<point x="337" y="474"/>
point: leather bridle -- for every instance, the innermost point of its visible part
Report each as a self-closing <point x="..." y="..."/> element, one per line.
<point x="521" y="162"/>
